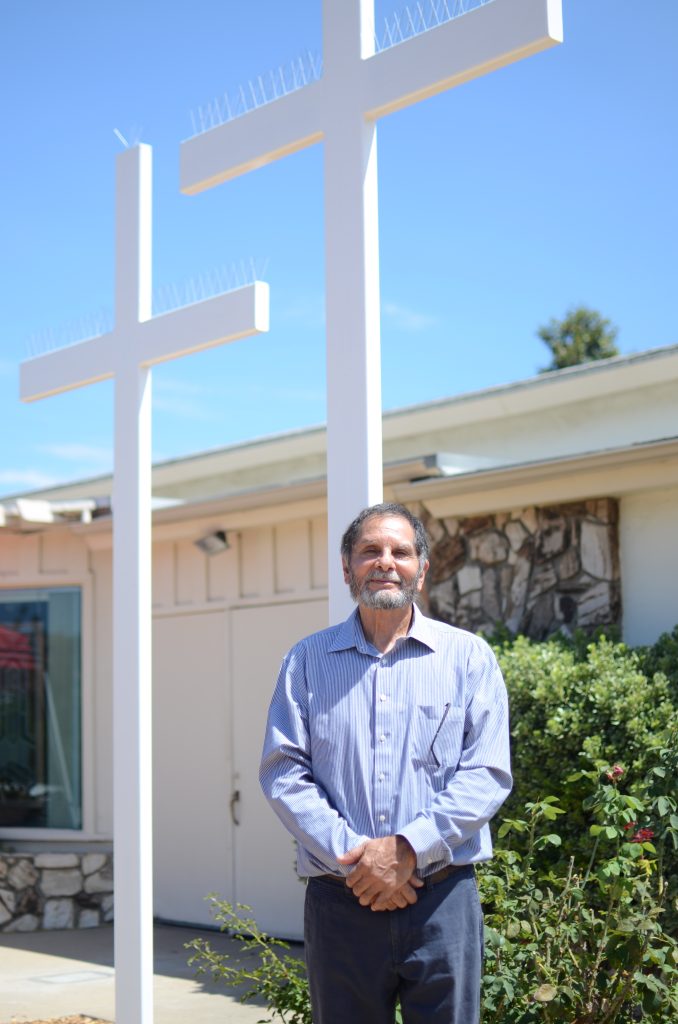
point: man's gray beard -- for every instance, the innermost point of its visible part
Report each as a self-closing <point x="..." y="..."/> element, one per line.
<point x="383" y="599"/>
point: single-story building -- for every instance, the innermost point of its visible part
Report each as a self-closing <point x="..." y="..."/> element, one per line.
<point x="552" y="504"/>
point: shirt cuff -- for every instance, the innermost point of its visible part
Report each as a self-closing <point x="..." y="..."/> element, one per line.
<point x="426" y="843"/>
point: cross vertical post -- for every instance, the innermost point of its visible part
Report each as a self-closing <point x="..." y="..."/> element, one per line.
<point x="132" y="625"/>
<point x="354" y="449"/>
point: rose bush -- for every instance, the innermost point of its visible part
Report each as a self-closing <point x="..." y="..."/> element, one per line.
<point x="584" y="941"/>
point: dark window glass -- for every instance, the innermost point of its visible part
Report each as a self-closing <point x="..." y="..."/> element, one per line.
<point x="40" y="744"/>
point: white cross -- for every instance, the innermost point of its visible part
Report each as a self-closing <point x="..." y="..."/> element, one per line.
<point x="127" y="354"/>
<point x="341" y="109"/>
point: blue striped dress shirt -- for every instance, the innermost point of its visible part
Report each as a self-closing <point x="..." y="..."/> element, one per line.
<point x="414" y="742"/>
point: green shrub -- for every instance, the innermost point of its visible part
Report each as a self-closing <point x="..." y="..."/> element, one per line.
<point x="572" y="710"/>
<point x="577" y="704"/>
<point x="584" y="942"/>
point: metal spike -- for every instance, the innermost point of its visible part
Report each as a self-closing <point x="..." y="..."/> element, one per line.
<point x="409" y="18"/>
<point x="311" y="60"/>
<point x="243" y="101"/>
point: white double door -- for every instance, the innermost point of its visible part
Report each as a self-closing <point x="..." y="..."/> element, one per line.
<point x="213" y="678"/>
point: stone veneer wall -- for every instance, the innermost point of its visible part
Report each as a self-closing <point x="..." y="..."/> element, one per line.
<point x="55" y="890"/>
<point x="537" y="571"/>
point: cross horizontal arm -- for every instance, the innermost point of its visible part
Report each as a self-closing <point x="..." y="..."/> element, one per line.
<point x="488" y="38"/>
<point x="265" y="134"/>
<point x="204" y="324"/>
<point x="66" y="368"/>
<point x="193" y="328"/>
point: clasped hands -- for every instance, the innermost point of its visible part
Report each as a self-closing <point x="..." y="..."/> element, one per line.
<point x="383" y="878"/>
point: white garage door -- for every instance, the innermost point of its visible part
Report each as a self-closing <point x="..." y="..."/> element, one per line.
<point x="265" y="876"/>
<point x="192" y="769"/>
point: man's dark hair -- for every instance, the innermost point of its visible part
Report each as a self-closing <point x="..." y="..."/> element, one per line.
<point x="386" y="508"/>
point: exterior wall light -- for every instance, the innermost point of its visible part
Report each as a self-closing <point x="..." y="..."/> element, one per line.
<point x="213" y="543"/>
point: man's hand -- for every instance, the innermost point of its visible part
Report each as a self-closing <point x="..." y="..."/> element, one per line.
<point x="401" y="898"/>
<point x="384" y="876"/>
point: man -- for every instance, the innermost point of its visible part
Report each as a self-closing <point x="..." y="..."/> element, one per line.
<point x="386" y="754"/>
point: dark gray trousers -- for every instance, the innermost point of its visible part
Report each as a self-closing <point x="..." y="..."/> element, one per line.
<point x="429" y="955"/>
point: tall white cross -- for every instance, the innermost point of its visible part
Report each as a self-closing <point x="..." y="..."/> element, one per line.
<point x="357" y="88"/>
<point x="127" y="354"/>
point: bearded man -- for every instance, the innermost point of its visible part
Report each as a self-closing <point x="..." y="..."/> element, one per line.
<point x="386" y="754"/>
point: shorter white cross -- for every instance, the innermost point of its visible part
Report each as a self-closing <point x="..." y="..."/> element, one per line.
<point x="127" y="353"/>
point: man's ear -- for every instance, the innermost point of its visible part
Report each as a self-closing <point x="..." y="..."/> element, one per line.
<point x="422" y="577"/>
<point x="344" y="566"/>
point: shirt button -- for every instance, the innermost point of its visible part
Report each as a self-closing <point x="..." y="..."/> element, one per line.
<point x="382" y="696"/>
<point x="382" y="817"/>
<point x="382" y="738"/>
<point x="381" y="776"/>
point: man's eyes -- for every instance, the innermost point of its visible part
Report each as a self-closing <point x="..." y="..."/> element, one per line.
<point x="398" y="553"/>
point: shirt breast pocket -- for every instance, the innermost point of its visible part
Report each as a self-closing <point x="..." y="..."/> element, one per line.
<point x="440" y="730"/>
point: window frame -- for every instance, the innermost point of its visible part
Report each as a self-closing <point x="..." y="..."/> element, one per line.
<point x="58" y="581"/>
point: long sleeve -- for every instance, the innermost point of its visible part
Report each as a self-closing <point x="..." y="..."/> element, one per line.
<point x="286" y="774"/>
<point x="482" y="778"/>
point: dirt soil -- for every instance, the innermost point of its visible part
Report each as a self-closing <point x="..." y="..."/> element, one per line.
<point x="78" y="1019"/>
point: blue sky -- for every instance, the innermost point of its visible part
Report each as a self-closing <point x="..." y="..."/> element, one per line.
<point x="502" y="203"/>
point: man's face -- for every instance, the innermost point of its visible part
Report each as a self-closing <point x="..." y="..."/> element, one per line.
<point x="384" y="570"/>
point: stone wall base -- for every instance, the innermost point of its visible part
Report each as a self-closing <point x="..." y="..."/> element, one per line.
<point x="55" y="890"/>
<point x="536" y="571"/>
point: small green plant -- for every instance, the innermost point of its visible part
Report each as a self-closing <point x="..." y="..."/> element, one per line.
<point x="585" y="943"/>
<point x="273" y="974"/>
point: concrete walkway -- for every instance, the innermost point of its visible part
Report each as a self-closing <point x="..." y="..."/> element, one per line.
<point x="59" y="973"/>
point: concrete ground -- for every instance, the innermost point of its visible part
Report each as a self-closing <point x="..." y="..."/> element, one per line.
<point x="60" y="973"/>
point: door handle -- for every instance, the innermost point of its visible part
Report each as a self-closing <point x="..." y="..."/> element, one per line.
<point x="235" y="800"/>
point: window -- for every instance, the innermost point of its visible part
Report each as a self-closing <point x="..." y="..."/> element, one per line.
<point x="40" y="759"/>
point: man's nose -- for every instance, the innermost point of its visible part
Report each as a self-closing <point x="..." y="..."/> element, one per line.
<point x="385" y="559"/>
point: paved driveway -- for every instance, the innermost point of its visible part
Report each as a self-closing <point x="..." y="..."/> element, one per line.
<point x="57" y="973"/>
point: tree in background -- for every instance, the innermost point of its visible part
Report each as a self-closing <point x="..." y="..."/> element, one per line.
<point x="582" y="337"/>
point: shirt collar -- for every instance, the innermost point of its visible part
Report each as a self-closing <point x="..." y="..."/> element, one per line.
<point x="423" y="630"/>
<point x="350" y="633"/>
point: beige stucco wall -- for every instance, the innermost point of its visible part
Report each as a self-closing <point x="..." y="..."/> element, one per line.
<point x="601" y="421"/>
<point x="221" y="625"/>
<point x="649" y="563"/>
